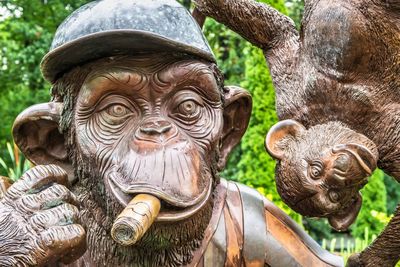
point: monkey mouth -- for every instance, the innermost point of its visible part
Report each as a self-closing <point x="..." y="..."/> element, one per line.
<point x="170" y="212"/>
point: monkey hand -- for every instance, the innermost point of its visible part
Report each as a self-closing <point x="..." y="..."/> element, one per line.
<point x="38" y="220"/>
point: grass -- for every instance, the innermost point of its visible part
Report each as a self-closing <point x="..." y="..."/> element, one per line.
<point x="347" y="247"/>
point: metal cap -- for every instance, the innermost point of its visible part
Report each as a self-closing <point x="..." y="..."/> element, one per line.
<point x="123" y="27"/>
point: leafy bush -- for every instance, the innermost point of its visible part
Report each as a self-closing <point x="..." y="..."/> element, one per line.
<point x="19" y="164"/>
<point x="373" y="211"/>
<point x="392" y="193"/>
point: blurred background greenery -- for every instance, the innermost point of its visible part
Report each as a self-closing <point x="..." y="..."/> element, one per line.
<point x="26" y="30"/>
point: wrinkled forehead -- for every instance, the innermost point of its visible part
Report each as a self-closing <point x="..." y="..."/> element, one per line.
<point x="139" y="75"/>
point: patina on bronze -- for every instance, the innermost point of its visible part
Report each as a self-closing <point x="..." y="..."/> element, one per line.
<point x="337" y="95"/>
<point x="139" y="109"/>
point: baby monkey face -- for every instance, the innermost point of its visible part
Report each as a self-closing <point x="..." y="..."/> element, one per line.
<point x="321" y="170"/>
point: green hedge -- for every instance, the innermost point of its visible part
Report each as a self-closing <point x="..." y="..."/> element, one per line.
<point x="373" y="213"/>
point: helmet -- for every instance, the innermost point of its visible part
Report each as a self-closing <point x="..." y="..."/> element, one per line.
<point x="119" y="27"/>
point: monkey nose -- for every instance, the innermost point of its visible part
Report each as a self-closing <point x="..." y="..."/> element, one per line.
<point x="156" y="127"/>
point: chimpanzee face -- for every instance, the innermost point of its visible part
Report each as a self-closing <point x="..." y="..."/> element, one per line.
<point x="152" y="129"/>
<point x="321" y="170"/>
<point x="156" y="124"/>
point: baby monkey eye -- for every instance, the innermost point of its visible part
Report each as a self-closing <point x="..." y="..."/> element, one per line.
<point x="316" y="168"/>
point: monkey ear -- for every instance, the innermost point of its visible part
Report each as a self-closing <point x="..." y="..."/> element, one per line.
<point x="278" y="132"/>
<point x="35" y="131"/>
<point x="237" y="111"/>
<point x="343" y="220"/>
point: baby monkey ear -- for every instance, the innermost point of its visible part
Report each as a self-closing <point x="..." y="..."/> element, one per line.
<point x="35" y="131"/>
<point x="278" y="132"/>
<point x="237" y="111"/>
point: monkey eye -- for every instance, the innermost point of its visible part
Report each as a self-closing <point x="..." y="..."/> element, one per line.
<point x="117" y="110"/>
<point x="315" y="169"/>
<point x="188" y="108"/>
<point x="333" y="196"/>
<point x="115" y="114"/>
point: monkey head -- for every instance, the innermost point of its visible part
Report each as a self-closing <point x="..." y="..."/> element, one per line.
<point x="148" y="124"/>
<point x="320" y="170"/>
<point x="136" y="111"/>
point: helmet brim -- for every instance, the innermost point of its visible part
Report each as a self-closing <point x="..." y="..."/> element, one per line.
<point x="110" y="43"/>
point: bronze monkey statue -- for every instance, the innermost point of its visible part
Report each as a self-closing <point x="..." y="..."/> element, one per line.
<point x="138" y="127"/>
<point x="337" y="93"/>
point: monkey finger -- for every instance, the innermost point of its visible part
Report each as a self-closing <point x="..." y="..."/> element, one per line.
<point x="65" y="243"/>
<point x="48" y="198"/>
<point x="61" y="215"/>
<point x="36" y="178"/>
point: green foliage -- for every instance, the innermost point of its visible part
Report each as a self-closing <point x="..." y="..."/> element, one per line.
<point x="392" y="193"/>
<point x="373" y="211"/>
<point x="230" y="49"/>
<point x="295" y="10"/>
<point x="186" y="3"/>
<point x="18" y="163"/>
<point x="277" y="4"/>
<point x="256" y="167"/>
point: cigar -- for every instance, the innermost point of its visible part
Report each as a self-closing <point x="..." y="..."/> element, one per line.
<point x="134" y="221"/>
